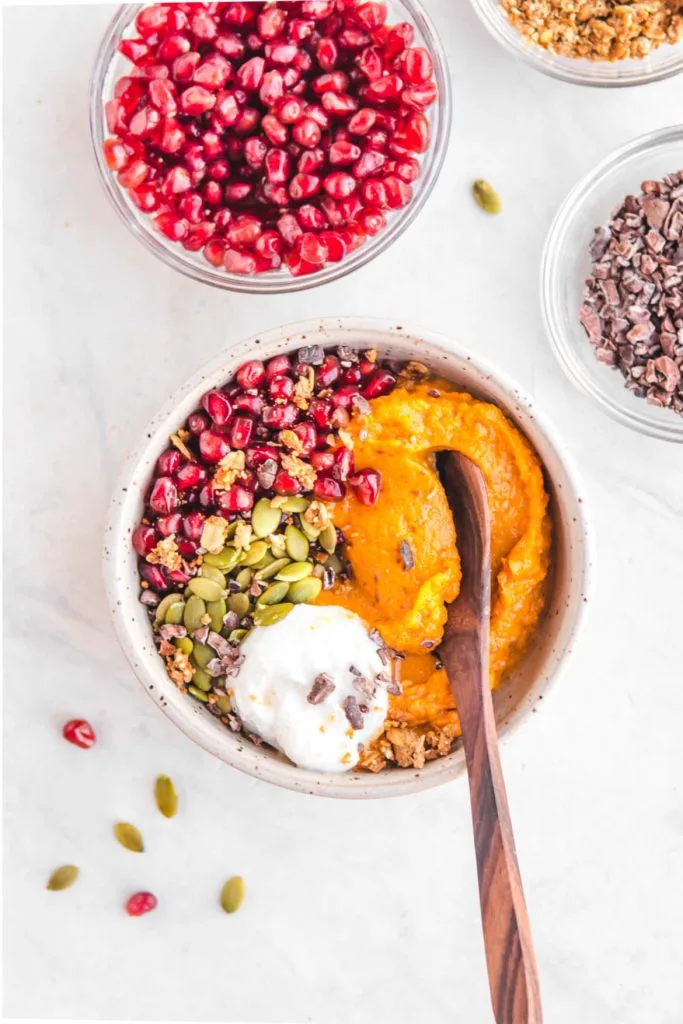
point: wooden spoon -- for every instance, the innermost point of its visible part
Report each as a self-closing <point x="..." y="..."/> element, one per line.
<point x="513" y="975"/>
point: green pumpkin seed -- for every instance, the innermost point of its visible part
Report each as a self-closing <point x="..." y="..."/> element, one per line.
<point x="163" y="606"/>
<point x="217" y="611"/>
<point x="62" y="878"/>
<point x="305" y="591"/>
<point x="203" y="654"/>
<point x="265" y="519"/>
<point x="486" y="196"/>
<point x="202" y="680"/>
<point x="207" y="589"/>
<point x="195" y="610"/>
<point x="312" y="532"/>
<point x="295" y="571"/>
<point x="210" y="572"/>
<point x="239" y="604"/>
<point x="198" y="694"/>
<point x="238" y="635"/>
<point x="271" y="569"/>
<point x="226" y="560"/>
<point x="243" y="578"/>
<point x="232" y="529"/>
<point x="129" y="836"/>
<point x="297" y="544"/>
<point x="232" y="895"/>
<point x="255" y="553"/>
<point x="277" y="544"/>
<point x="175" y="614"/>
<point x="225" y="704"/>
<point x="334" y="562"/>
<point x="166" y="796"/>
<point x="273" y="595"/>
<point x="328" y="538"/>
<point x="273" y="613"/>
<point x="184" y="644"/>
<point x="296" y="505"/>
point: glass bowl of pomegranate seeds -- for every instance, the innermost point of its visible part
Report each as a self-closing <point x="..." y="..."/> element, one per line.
<point x="269" y="147"/>
<point x="263" y="510"/>
<point x="592" y="44"/>
<point x="612" y="284"/>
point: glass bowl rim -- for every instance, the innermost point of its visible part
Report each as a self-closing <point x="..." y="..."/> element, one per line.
<point x="551" y="262"/>
<point x="281" y="282"/>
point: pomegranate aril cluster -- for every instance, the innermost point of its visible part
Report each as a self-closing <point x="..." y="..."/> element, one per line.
<point x="267" y="134"/>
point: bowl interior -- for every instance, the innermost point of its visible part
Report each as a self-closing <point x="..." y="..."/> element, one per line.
<point x="567" y="265"/>
<point x="663" y="62"/>
<point x="515" y="697"/>
<point x="111" y="65"/>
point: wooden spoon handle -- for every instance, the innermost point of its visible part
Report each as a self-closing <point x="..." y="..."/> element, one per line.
<point x="513" y="975"/>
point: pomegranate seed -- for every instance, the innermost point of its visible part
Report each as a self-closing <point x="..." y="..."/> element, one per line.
<point x="342" y="152"/>
<point x="352" y="375"/>
<point x="79" y="732"/>
<point x="206" y="495"/>
<point x="289" y="109"/>
<point x="245" y="231"/>
<point x="277" y="166"/>
<point x="281" y="388"/>
<point x="218" y="407"/>
<point x="377" y="139"/>
<point x="214" y="252"/>
<point x="144" y="539"/>
<point x="366" y="486"/>
<point x="339" y="185"/>
<point x="115" y="154"/>
<point x="353" y="39"/>
<point x="373" y="221"/>
<point x="344" y="464"/>
<point x="374" y="193"/>
<point x="168" y="462"/>
<point x="329" y="373"/>
<point x="191" y="475"/>
<point x="289" y="228"/>
<point x="286" y="484"/>
<point x="420" y="97"/>
<point x="320" y="411"/>
<point x="197" y="100"/>
<point x="336" y="249"/>
<point x="168" y="525"/>
<point x="240" y="431"/>
<point x="237" y="261"/>
<point x="417" y="65"/>
<point x="330" y="208"/>
<point x="272" y="88"/>
<point x="311" y="218"/>
<point x="398" y="192"/>
<point x="227" y="108"/>
<point x="282" y="53"/>
<point x="303" y="186"/>
<point x="362" y="121"/>
<point x="279" y="417"/>
<point x="140" y="903"/>
<point x="164" y="495"/>
<point x="310" y="161"/>
<point x="371" y="63"/>
<point x="371" y="161"/>
<point x="186" y="548"/>
<point x="146" y="198"/>
<point x="308" y="436"/>
<point x="162" y="96"/>
<point x="177" y="180"/>
<point x="317" y="9"/>
<point x="339" y="104"/>
<point x="184" y="66"/>
<point x="173" y="46"/>
<point x="154" y="575"/>
<point x="193" y="526"/>
<point x="172" y="138"/>
<point x="213" y="73"/>
<point x="151" y="20"/>
<point x="343" y="396"/>
<point x="322" y="461"/>
<point x="230" y="45"/>
<point x="251" y="374"/>
<point x="249" y="403"/>
<point x="386" y="90"/>
<point x="250" y="74"/>
<point x="335" y="81"/>
<point x="260" y="453"/>
<point x="134" y="49"/>
<point x="319" y="115"/>
<point x="408" y="170"/>
<point x="271" y="22"/>
<point x="237" y="191"/>
<point x="191" y="207"/>
<point x="213" y="446"/>
<point x="235" y="499"/>
<point x="326" y="488"/>
<point x="371" y="15"/>
<point x="327" y="53"/>
<point x="350" y="208"/>
<point x="277" y="366"/>
<point x="196" y="423"/>
<point x="413" y="135"/>
<point x="400" y="37"/>
<point x="175" y="228"/>
<point x="307" y="133"/>
<point x="353" y="237"/>
<point x="311" y="249"/>
<point x="145" y="121"/>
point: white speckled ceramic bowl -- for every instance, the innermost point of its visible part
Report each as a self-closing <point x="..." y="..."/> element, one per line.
<point x="515" y="698"/>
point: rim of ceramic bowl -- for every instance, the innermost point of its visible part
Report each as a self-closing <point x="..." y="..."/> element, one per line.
<point x="131" y="621"/>
<point x="587" y="380"/>
<point x="590" y="74"/>
<point x="277" y="282"/>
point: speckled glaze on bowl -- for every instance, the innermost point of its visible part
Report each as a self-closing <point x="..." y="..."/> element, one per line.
<point x="513" y="701"/>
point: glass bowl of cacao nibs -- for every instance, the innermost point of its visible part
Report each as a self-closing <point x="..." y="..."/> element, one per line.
<point x="612" y="284"/>
<point x="280" y="551"/>
<point x="270" y="147"/>
<point x="590" y="42"/>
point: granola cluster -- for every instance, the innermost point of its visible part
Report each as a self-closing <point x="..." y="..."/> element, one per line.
<point x="601" y="30"/>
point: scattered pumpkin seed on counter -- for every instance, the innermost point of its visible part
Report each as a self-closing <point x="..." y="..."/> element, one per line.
<point x="232" y="895"/>
<point x="129" y="836"/>
<point x="486" y="196"/>
<point x="166" y="796"/>
<point x="62" y="878"/>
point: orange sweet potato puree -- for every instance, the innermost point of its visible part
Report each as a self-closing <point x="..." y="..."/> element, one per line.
<point x="408" y="606"/>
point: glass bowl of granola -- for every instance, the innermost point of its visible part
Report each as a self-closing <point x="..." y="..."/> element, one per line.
<point x="589" y="42"/>
<point x="612" y="284"/>
<point x="280" y="592"/>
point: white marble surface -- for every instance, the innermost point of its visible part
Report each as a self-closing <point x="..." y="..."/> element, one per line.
<point x="356" y="914"/>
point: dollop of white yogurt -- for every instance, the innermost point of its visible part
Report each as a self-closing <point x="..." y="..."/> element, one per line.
<point x="281" y="665"/>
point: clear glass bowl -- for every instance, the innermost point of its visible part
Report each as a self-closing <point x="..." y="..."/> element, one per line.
<point x="665" y="61"/>
<point x="110" y="65"/>
<point x="566" y="265"/>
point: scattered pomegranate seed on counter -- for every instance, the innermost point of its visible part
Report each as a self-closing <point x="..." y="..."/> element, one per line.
<point x="78" y="731"/>
<point x="270" y="136"/>
<point x="140" y="903"/>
